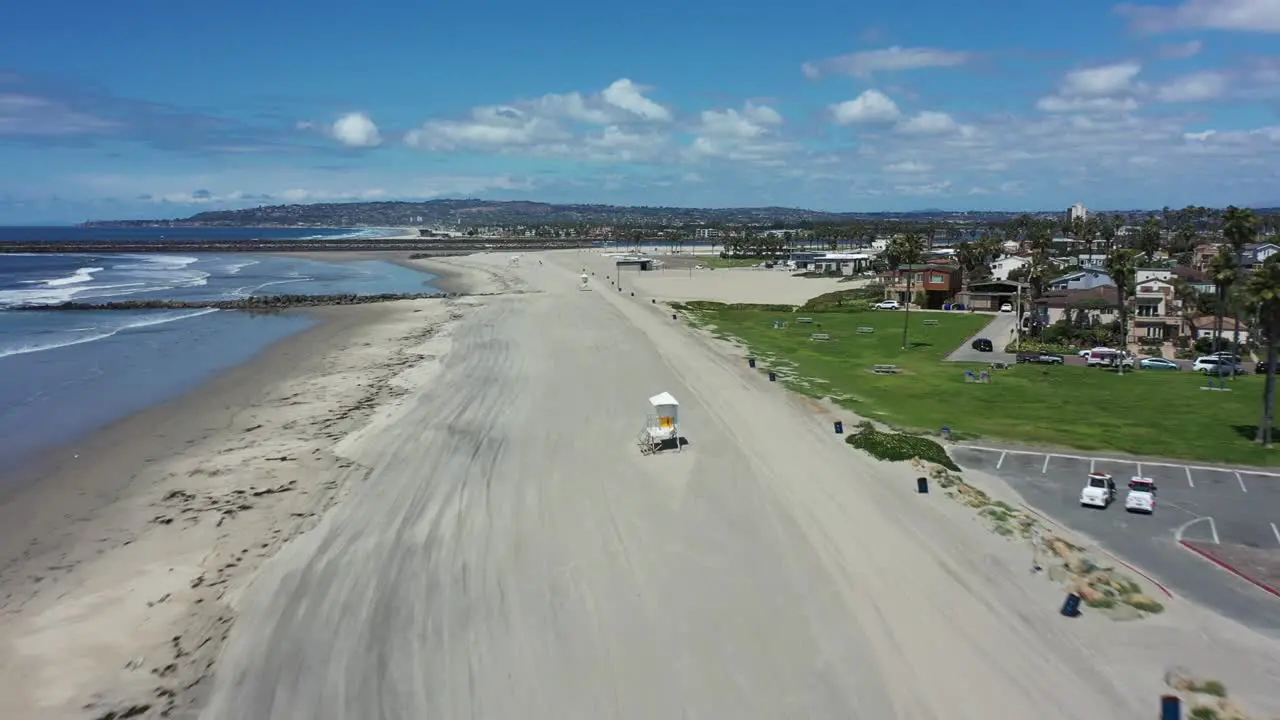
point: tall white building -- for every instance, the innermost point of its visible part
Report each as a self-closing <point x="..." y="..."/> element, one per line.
<point x="1077" y="211"/>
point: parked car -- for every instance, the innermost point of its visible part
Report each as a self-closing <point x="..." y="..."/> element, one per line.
<point x="1158" y="363"/>
<point x="1041" y="358"/>
<point x="1142" y="496"/>
<point x="1006" y="307"/>
<point x="1210" y="365"/>
<point x="1099" y="490"/>
<point x="983" y="345"/>
<point x="1106" y="357"/>
<point x="888" y="305"/>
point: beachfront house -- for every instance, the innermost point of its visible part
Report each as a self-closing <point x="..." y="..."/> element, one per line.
<point x="1083" y="279"/>
<point x="1096" y="305"/>
<point x="940" y="283"/>
<point x="1155" y="316"/>
<point x="1001" y="268"/>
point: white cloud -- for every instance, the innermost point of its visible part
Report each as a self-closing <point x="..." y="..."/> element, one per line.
<point x="1058" y="104"/>
<point x="937" y="188"/>
<point x="871" y="106"/>
<point x="748" y="135"/>
<point x="628" y="96"/>
<point x="908" y="167"/>
<point x="494" y="127"/>
<point x="37" y="116"/>
<point x="864" y="64"/>
<point x="929" y="122"/>
<point x="1196" y="87"/>
<point x="1102" y="81"/>
<point x="1261" y="16"/>
<point x="356" y="130"/>
<point x="1181" y="51"/>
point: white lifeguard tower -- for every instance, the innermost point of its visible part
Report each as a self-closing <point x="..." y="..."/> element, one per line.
<point x="582" y="282"/>
<point x="662" y="428"/>
<point x="514" y="261"/>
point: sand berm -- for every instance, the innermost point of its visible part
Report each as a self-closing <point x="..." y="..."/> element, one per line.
<point x="474" y="534"/>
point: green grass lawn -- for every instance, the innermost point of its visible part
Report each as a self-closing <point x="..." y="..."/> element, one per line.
<point x="1151" y="412"/>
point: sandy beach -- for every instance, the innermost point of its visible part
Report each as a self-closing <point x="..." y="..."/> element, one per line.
<point x="438" y="509"/>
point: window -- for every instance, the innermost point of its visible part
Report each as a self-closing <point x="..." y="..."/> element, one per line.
<point x="1149" y="310"/>
<point x="1155" y="331"/>
<point x="937" y="279"/>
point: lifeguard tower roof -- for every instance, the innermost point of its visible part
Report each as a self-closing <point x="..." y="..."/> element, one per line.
<point x="663" y="399"/>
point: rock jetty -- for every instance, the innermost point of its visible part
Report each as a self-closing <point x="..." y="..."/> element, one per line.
<point x="263" y="303"/>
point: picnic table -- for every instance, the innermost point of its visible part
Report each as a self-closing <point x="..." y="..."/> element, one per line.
<point x="886" y="369"/>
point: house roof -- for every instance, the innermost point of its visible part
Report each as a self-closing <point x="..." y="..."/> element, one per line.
<point x="1190" y="274"/>
<point x="1074" y="298"/>
<point x="1209" y="322"/>
<point x="1079" y="274"/>
<point x="929" y="266"/>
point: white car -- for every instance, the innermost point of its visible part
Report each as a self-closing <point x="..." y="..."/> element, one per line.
<point x="1006" y="308"/>
<point x="888" y="305"/>
<point x="1142" y="495"/>
<point x="1099" y="491"/>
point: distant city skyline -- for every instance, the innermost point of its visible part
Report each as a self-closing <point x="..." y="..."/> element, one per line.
<point x="110" y="111"/>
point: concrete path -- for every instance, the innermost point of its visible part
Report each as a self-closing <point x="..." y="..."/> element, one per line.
<point x="1000" y="332"/>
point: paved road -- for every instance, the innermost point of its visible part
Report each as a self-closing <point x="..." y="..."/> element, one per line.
<point x="1000" y="332"/>
<point x="1194" y="503"/>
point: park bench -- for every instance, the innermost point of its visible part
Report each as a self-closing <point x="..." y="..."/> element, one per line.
<point x="930" y="322"/>
<point x="973" y="377"/>
<point x="804" y="320"/>
<point x="820" y="336"/>
<point x="866" y="330"/>
<point x="886" y="369"/>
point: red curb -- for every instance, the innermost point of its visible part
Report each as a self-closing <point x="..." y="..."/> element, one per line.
<point x="1229" y="568"/>
<point x="1148" y="578"/>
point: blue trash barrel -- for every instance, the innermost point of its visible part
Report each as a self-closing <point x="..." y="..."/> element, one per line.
<point x="922" y="485"/>
<point x="751" y="362"/>
<point x="773" y="376"/>
<point x="946" y="433"/>
<point x="1071" y="606"/>
<point x="839" y="427"/>
<point x="1170" y="707"/>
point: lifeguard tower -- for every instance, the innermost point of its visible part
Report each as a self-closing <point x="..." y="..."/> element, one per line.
<point x="514" y="261"/>
<point x="662" y="427"/>
<point x="582" y="282"/>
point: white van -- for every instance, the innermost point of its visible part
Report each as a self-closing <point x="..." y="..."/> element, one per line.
<point x="1099" y="490"/>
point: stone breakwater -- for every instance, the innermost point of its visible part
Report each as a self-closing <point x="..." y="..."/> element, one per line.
<point x="264" y="303"/>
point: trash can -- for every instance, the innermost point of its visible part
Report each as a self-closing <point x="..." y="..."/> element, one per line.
<point x="922" y="485"/>
<point x="1170" y="707"/>
<point x="946" y="433"/>
<point x="673" y="316"/>
<point x="773" y="376"/>
<point x="751" y="362"/>
<point x="839" y="427"/>
<point x="1071" y="606"/>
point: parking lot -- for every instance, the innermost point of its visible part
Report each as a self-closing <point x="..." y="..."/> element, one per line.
<point x="1194" y="502"/>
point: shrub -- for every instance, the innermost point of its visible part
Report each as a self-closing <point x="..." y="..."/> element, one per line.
<point x="838" y="301"/>
<point x="897" y="447"/>
<point x="709" y="306"/>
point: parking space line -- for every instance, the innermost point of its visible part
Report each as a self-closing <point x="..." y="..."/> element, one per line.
<point x="1241" y="481"/>
<point x="1045" y="468"/>
<point x="1139" y="469"/>
<point x="1190" y="482"/>
<point x="1275" y="531"/>
<point x="1091" y="462"/>
<point x="1000" y="461"/>
<point x="1203" y="468"/>
<point x="1213" y="528"/>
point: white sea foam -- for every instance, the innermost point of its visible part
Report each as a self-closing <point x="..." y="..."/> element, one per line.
<point x="82" y="275"/>
<point x="101" y="333"/>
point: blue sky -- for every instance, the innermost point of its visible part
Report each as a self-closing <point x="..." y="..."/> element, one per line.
<point x="148" y="109"/>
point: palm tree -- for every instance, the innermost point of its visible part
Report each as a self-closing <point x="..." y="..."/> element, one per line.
<point x="1122" y="268"/>
<point x="1149" y="239"/>
<point x="1223" y="271"/>
<point x="1262" y="295"/>
<point x="1238" y="228"/>
<point x="905" y="251"/>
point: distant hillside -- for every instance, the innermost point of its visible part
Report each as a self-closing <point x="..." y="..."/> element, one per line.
<point x="472" y="213"/>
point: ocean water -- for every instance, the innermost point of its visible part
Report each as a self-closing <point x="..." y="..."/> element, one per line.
<point x="62" y="234"/>
<point x="64" y="374"/>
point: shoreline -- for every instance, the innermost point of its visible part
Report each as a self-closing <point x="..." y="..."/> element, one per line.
<point x="144" y="525"/>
